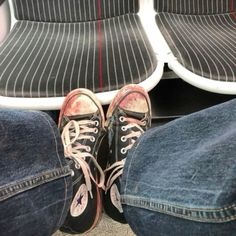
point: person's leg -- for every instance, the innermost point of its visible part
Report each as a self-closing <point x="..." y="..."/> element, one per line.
<point x="179" y="179"/>
<point x="35" y="182"/>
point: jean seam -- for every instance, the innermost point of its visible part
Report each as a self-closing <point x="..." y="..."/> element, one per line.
<point x="17" y="187"/>
<point x="171" y="210"/>
<point x="135" y="183"/>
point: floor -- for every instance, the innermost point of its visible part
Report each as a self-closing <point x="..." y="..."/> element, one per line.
<point x="106" y="227"/>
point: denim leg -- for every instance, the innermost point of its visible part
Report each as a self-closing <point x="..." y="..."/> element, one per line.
<point x="35" y="183"/>
<point x="179" y="179"/>
<point x="152" y="223"/>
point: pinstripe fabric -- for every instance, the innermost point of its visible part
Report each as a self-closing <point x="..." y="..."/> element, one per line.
<point x="49" y="60"/>
<point x="72" y="10"/>
<point x="204" y="44"/>
<point x="194" y="6"/>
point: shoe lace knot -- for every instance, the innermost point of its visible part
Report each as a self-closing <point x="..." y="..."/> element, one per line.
<point x="72" y="136"/>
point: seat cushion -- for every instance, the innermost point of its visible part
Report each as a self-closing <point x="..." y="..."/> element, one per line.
<point x="204" y="44"/>
<point x="72" y="10"/>
<point x="194" y="7"/>
<point x="51" y="59"/>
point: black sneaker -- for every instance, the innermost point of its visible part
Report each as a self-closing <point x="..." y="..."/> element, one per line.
<point x="81" y="123"/>
<point x="128" y="116"/>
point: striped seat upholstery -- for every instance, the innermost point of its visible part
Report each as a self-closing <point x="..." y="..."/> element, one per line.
<point x="72" y="10"/>
<point x="201" y="35"/>
<point x="87" y="47"/>
<point x="194" y="7"/>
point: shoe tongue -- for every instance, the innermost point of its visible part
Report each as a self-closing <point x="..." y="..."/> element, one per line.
<point x="67" y="119"/>
<point x="80" y="117"/>
<point x="135" y="115"/>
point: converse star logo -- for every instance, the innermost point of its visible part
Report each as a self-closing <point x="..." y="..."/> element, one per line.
<point x="80" y="201"/>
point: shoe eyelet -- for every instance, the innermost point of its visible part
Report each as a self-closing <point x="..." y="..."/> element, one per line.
<point x="72" y="173"/>
<point x="123" y="139"/>
<point x="123" y="128"/>
<point x="96" y="122"/>
<point x="92" y="139"/>
<point x="144" y="123"/>
<point x="123" y="151"/>
<point x="122" y="119"/>
<point x="88" y="149"/>
<point x="96" y="130"/>
<point x="77" y="166"/>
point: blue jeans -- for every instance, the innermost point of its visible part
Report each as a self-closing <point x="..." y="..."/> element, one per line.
<point x="180" y="179"/>
<point x="35" y="182"/>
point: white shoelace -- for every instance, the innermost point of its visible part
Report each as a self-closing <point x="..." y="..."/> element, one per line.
<point x="72" y="133"/>
<point x="117" y="167"/>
